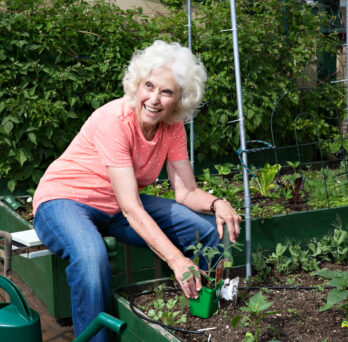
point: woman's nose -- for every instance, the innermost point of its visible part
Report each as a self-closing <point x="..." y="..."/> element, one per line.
<point x="154" y="97"/>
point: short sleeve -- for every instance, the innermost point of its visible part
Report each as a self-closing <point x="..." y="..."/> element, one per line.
<point x="178" y="144"/>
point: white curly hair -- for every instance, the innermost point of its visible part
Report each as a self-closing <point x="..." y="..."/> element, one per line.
<point x="188" y="71"/>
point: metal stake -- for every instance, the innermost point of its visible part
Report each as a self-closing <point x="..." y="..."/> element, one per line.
<point x="242" y="138"/>
<point x="192" y="134"/>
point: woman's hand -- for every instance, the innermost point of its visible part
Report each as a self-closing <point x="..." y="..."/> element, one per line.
<point x="192" y="284"/>
<point x="225" y="214"/>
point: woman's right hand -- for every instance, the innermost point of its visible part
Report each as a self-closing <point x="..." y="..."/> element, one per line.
<point x="180" y="265"/>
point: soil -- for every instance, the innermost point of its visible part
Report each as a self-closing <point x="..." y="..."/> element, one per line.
<point x="297" y="318"/>
<point x="26" y="212"/>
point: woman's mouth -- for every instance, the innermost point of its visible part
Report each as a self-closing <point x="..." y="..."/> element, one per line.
<point x="152" y="110"/>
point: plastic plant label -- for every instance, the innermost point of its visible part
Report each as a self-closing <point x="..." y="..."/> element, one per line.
<point x="219" y="270"/>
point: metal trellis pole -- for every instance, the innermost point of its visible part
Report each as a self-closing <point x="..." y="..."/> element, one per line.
<point x="347" y="58"/>
<point x="192" y="134"/>
<point x="242" y="138"/>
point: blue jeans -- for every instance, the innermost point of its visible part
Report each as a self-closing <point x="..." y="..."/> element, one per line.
<point x="74" y="231"/>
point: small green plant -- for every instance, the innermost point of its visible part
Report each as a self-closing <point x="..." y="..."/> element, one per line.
<point x="264" y="180"/>
<point x="279" y="259"/>
<point x="165" y="311"/>
<point x="191" y="271"/>
<point x="159" y="289"/>
<point x="334" y="246"/>
<point x="212" y="256"/>
<point x="219" y="185"/>
<point x="292" y="311"/>
<point x="301" y="258"/>
<point x="256" y="306"/>
<point x="338" y="295"/>
<point x="263" y="270"/>
<point x="162" y="189"/>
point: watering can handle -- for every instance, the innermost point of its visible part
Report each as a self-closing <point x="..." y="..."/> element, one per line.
<point x="17" y="298"/>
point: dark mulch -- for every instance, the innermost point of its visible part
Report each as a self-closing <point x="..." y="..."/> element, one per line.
<point x="298" y="318"/>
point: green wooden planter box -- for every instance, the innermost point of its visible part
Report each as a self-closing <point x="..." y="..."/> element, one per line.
<point x="46" y="275"/>
<point x="298" y="227"/>
<point x="138" y="329"/>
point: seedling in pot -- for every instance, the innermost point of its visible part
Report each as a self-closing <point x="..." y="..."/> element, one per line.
<point x="212" y="256"/>
<point x="207" y="302"/>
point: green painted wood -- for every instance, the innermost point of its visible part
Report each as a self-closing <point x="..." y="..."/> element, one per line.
<point x="298" y="227"/>
<point x="39" y="274"/>
<point x="137" y="329"/>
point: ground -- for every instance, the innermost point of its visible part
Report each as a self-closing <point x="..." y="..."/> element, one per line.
<point x="52" y="329"/>
<point x="297" y="318"/>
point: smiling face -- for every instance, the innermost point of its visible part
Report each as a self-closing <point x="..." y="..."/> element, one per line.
<point x="157" y="98"/>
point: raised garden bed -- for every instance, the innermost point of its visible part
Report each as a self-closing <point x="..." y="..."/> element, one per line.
<point x="292" y="321"/>
<point x="285" y="279"/>
<point x="46" y="275"/>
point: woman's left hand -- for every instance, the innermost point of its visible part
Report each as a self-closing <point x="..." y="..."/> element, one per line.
<point x="225" y="214"/>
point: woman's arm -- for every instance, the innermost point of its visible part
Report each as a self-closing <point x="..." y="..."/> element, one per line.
<point x="187" y="193"/>
<point x="126" y="190"/>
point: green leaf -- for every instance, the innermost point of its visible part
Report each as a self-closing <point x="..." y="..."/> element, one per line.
<point x="32" y="137"/>
<point x="235" y="320"/>
<point x="335" y="296"/>
<point x="22" y="158"/>
<point x="8" y="126"/>
<point x="11" y="184"/>
<point x="2" y="106"/>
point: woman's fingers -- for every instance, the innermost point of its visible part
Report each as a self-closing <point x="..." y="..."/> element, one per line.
<point x="188" y="276"/>
<point x="225" y="214"/>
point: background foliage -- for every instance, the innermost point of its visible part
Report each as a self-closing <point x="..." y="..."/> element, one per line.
<point x="59" y="63"/>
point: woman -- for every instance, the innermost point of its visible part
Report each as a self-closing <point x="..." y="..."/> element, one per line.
<point x="92" y="189"/>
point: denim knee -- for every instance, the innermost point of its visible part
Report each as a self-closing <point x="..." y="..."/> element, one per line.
<point x="89" y="267"/>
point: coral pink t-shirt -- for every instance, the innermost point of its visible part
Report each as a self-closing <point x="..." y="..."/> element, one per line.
<point x="110" y="137"/>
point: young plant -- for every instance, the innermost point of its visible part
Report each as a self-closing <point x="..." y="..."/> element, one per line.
<point x="191" y="271"/>
<point x="264" y="181"/>
<point x="212" y="256"/>
<point x="279" y="259"/>
<point x="165" y="311"/>
<point x="263" y="270"/>
<point x="302" y="258"/>
<point x="338" y="295"/>
<point x="218" y="185"/>
<point x="256" y="307"/>
<point x="335" y="246"/>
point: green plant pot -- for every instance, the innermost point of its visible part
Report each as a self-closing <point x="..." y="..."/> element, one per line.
<point x="207" y="302"/>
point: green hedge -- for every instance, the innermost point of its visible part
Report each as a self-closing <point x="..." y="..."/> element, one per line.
<point x="59" y="63"/>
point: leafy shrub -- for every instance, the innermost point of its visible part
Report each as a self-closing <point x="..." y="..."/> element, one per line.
<point x="60" y="62"/>
<point x="57" y="65"/>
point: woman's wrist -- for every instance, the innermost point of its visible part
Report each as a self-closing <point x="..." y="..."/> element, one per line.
<point x="212" y="205"/>
<point x="171" y="260"/>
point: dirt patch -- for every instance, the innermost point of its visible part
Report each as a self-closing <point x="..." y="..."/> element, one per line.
<point x="297" y="318"/>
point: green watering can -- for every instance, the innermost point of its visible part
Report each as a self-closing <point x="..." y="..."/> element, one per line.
<point x="18" y="322"/>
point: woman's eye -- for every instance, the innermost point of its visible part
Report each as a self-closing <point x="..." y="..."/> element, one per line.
<point x="148" y="84"/>
<point x="168" y="92"/>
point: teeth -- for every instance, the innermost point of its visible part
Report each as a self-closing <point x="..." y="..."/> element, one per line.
<point x="152" y="110"/>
